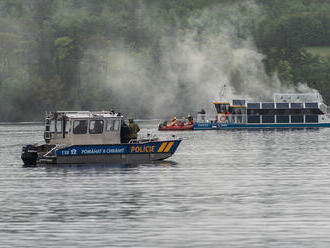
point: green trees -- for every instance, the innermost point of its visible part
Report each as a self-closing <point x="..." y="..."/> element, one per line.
<point x="64" y="54"/>
<point x="293" y="26"/>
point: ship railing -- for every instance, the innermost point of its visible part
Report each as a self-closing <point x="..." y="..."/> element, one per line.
<point x="233" y="118"/>
<point x="153" y="138"/>
<point x="205" y="118"/>
<point x="51" y="151"/>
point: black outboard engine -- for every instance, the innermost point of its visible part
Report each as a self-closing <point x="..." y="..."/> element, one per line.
<point x="29" y="155"/>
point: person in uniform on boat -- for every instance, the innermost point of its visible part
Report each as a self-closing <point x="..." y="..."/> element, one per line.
<point x="133" y="129"/>
<point x="173" y="122"/>
<point x="124" y="133"/>
<point x="180" y="123"/>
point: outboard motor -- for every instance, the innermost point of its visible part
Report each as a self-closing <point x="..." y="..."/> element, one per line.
<point x="29" y="155"/>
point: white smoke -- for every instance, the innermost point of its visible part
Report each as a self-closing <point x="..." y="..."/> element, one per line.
<point x="213" y="49"/>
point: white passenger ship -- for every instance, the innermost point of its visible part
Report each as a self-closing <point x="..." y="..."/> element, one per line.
<point x="286" y="111"/>
<point x="84" y="137"/>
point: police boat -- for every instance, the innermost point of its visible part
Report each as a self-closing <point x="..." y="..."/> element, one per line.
<point x="286" y="111"/>
<point x="90" y="137"/>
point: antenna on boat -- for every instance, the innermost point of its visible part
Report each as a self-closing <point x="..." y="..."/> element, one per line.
<point x="222" y="92"/>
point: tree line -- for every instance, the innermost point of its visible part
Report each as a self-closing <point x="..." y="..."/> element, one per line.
<point x="45" y="62"/>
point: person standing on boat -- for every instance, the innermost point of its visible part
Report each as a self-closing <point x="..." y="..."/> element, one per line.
<point x="190" y="120"/>
<point x="133" y="128"/>
<point x="124" y="133"/>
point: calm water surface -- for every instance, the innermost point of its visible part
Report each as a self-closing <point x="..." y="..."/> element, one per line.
<point x="221" y="189"/>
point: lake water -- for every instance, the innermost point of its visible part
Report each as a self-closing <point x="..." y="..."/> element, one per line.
<point x="220" y="189"/>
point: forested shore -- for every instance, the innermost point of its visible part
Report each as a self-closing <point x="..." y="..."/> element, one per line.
<point x="150" y="58"/>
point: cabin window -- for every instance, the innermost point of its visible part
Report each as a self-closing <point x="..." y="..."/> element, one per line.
<point x="112" y="125"/>
<point x="282" y="119"/>
<point x="311" y="105"/>
<point x="268" y="111"/>
<point x="268" y="119"/>
<point x="222" y="108"/>
<point x="312" y="118"/>
<point x="239" y="102"/>
<point x="281" y="105"/>
<point x="296" y="105"/>
<point x="253" y="119"/>
<point x="254" y="111"/>
<point x="67" y="126"/>
<point x="59" y="126"/>
<point x="297" y="119"/>
<point x="80" y="127"/>
<point x="268" y="105"/>
<point x="96" y="126"/>
<point x="312" y="111"/>
<point x="52" y="126"/>
<point x="117" y="125"/>
<point x="253" y="105"/>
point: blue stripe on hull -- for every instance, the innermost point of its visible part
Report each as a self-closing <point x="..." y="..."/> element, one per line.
<point x="207" y="126"/>
<point x="132" y="148"/>
<point x="290" y="125"/>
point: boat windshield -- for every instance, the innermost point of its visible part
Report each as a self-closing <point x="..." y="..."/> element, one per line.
<point x="80" y="126"/>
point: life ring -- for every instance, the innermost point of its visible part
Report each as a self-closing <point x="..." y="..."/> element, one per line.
<point x="222" y="118"/>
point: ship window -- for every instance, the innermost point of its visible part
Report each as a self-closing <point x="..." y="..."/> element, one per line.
<point x="117" y="125"/>
<point x="267" y="105"/>
<point x="67" y="126"/>
<point x="80" y="127"/>
<point x="311" y="105"/>
<point x="112" y="125"/>
<point x="268" y="119"/>
<point x="296" y="105"/>
<point x="282" y="119"/>
<point x="253" y="119"/>
<point x="254" y="111"/>
<point x="310" y="111"/>
<point x="239" y="102"/>
<point x="268" y="112"/>
<point x="59" y="126"/>
<point x="96" y="126"/>
<point x="297" y="119"/>
<point x="222" y="108"/>
<point x="253" y="105"/>
<point x="312" y="118"/>
<point x="52" y="126"/>
<point x="282" y="105"/>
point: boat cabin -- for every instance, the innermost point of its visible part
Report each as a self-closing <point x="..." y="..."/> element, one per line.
<point x="83" y="127"/>
<point x="286" y="108"/>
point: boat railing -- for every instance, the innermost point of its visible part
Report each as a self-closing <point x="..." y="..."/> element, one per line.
<point x="205" y="118"/>
<point x="236" y="118"/>
<point x="49" y="153"/>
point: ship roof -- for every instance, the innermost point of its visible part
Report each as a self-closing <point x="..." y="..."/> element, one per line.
<point x="88" y="114"/>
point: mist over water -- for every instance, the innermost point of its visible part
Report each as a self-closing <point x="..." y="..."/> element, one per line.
<point x="191" y="62"/>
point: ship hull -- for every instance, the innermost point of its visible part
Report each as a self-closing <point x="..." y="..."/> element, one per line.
<point x="221" y="126"/>
<point x="105" y="154"/>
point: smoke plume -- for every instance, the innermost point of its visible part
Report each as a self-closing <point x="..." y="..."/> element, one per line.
<point x="189" y="64"/>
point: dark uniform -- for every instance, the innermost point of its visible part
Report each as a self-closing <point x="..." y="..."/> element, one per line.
<point x="124" y="133"/>
<point x="133" y="128"/>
